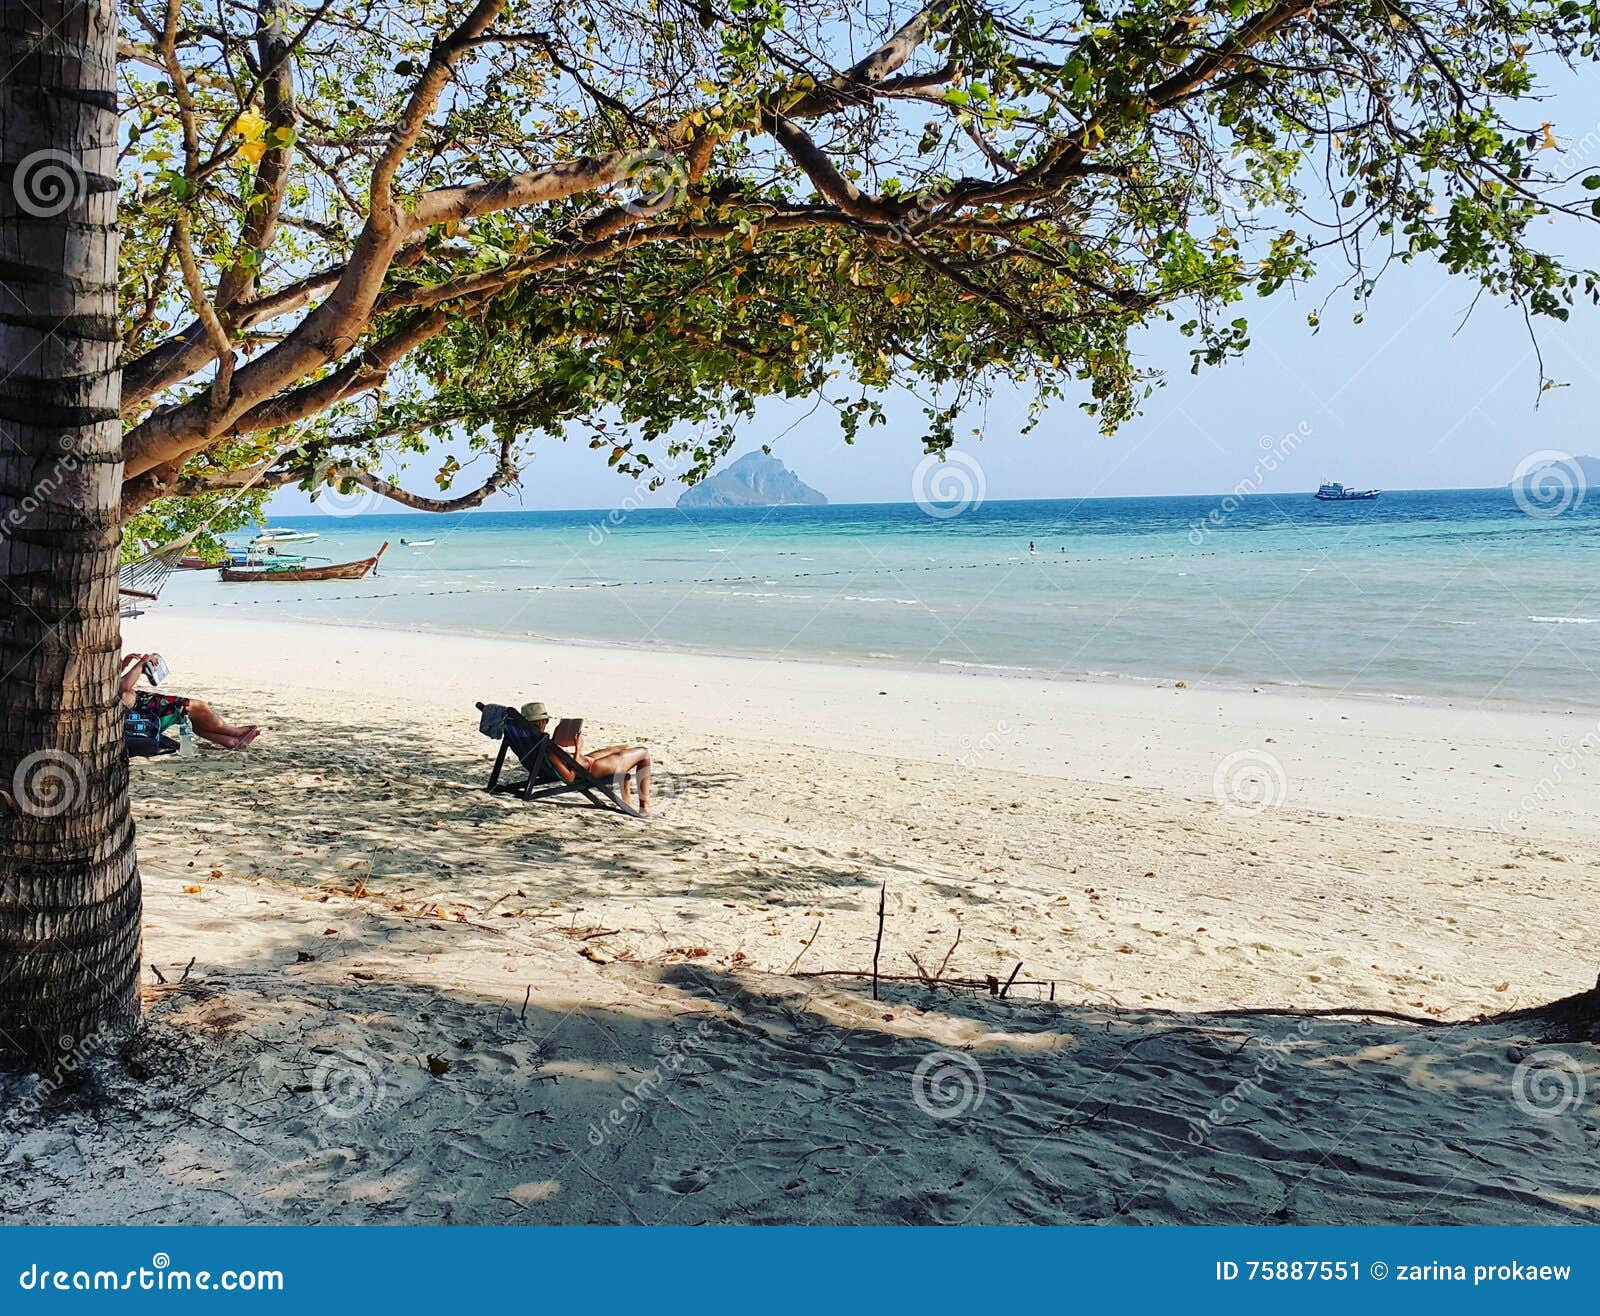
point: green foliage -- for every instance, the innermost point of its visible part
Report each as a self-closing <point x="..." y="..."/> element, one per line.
<point x="169" y="519"/>
<point x="1060" y="176"/>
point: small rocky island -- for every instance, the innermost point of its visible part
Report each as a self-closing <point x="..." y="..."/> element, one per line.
<point x="755" y="480"/>
<point x="1565" y="469"/>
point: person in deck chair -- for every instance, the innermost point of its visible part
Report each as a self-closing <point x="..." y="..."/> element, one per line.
<point x="170" y="709"/>
<point x="624" y="764"/>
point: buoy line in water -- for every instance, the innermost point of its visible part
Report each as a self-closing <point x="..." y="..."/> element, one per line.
<point x="762" y="578"/>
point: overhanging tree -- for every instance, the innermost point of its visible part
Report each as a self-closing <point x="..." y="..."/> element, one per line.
<point x="356" y="227"/>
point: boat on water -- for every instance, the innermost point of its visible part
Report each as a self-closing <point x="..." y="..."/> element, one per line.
<point x="419" y="543"/>
<point x="284" y="572"/>
<point x="1338" y="493"/>
<point x="258" y="557"/>
<point x="285" y="536"/>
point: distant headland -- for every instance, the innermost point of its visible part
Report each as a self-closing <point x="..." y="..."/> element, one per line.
<point x="1560" y="466"/>
<point x="756" y="480"/>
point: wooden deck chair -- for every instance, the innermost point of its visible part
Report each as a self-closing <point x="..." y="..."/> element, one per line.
<point x="548" y="769"/>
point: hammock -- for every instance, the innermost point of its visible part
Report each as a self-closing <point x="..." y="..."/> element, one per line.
<point x="142" y="579"/>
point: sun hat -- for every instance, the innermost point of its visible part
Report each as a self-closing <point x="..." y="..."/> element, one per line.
<point x="535" y="712"/>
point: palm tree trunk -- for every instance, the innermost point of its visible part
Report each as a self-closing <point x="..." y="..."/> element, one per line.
<point x="69" y="880"/>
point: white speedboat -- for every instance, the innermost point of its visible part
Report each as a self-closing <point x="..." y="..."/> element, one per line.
<point x="269" y="537"/>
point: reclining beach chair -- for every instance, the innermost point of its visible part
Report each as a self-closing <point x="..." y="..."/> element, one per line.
<point x="549" y="770"/>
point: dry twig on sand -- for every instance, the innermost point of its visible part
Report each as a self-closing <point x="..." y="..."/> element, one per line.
<point x="796" y="961"/>
<point x="877" y="946"/>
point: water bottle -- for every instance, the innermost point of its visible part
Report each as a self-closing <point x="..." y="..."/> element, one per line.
<point x="187" y="749"/>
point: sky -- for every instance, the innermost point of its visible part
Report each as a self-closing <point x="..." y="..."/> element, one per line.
<point x="1428" y="392"/>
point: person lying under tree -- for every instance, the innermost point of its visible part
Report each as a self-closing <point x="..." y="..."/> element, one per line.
<point x="169" y="710"/>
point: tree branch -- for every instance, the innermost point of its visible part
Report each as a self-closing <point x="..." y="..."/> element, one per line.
<point x="505" y="473"/>
<point x="382" y="215"/>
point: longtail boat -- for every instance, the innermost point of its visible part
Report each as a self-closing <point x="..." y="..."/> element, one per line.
<point x="287" y="573"/>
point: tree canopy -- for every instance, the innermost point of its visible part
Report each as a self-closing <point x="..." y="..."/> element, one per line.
<point x="355" y="227"/>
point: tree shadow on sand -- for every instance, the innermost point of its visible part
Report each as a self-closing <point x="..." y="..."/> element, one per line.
<point x="411" y="820"/>
<point x="398" y="1073"/>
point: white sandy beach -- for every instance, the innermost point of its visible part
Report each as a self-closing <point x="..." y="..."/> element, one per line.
<point x="608" y="1005"/>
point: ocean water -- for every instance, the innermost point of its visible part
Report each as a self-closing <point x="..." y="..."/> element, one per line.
<point x="1457" y="594"/>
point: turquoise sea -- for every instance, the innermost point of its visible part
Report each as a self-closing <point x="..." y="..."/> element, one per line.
<point x="1460" y="594"/>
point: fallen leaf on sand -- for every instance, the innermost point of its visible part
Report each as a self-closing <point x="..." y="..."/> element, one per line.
<point x="438" y="1065"/>
<point x="590" y="953"/>
<point x="191" y="890"/>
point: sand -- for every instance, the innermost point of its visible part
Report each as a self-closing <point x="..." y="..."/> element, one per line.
<point x="412" y="1001"/>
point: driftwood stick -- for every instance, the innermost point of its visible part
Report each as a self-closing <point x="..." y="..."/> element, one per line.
<point x="1011" y="979"/>
<point x="187" y="967"/>
<point x="796" y="961"/>
<point x="526" y="996"/>
<point x="939" y="972"/>
<point x="877" y="946"/>
<point x="909" y="977"/>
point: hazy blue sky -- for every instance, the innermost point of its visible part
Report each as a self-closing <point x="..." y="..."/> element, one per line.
<point x="1419" y="395"/>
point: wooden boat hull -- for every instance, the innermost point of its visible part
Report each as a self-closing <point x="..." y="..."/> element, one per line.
<point x="290" y="575"/>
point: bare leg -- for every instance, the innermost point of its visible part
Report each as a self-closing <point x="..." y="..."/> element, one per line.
<point x="208" y="726"/>
<point x="618" y="763"/>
